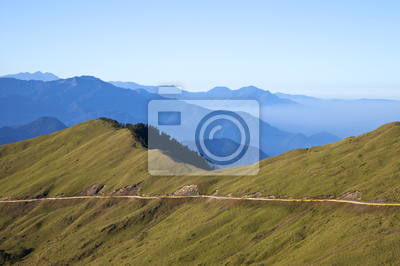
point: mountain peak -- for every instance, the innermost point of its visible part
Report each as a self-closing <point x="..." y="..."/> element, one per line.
<point x="73" y="81"/>
<point x="38" y="75"/>
<point x="42" y="126"/>
<point x="220" y="89"/>
<point x="87" y="77"/>
<point x="252" y="88"/>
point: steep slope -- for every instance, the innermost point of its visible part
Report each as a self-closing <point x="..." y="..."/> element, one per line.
<point x="93" y="152"/>
<point x="197" y="232"/>
<point x="369" y="163"/>
<point x="71" y="160"/>
<point x="116" y="231"/>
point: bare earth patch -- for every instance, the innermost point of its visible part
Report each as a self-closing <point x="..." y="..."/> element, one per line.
<point x="351" y="196"/>
<point x="189" y="190"/>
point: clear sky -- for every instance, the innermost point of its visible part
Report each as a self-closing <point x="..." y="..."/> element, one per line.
<point x="342" y="49"/>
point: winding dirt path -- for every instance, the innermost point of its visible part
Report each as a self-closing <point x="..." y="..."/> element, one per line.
<point x="208" y="196"/>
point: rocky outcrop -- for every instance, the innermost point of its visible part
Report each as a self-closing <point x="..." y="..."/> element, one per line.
<point x="93" y="190"/>
<point x="254" y="195"/>
<point x="189" y="190"/>
<point x="214" y="193"/>
<point x="351" y="196"/>
<point x="126" y="191"/>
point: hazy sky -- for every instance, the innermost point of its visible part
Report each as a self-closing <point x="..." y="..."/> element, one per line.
<point x="343" y="49"/>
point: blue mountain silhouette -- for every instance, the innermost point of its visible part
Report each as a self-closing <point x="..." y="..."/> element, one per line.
<point x="41" y="126"/>
<point x="33" y="76"/>
<point x="78" y="99"/>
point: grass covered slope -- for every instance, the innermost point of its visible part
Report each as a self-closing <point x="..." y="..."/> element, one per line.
<point x="95" y="152"/>
<point x="71" y="160"/>
<point x="369" y="163"/>
<point x="198" y="232"/>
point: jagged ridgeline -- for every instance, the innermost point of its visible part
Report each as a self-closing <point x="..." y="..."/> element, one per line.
<point x="161" y="141"/>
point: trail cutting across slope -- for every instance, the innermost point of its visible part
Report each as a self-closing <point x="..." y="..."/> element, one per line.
<point x="6" y="200"/>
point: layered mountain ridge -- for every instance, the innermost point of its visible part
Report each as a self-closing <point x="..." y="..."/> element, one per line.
<point x="79" y="99"/>
<point x="41" y="126"/>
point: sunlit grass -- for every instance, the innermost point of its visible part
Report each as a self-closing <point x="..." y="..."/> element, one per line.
<point x="193" y="232"/>
<point x="93" y="152"/>
<point x="198" y="231"/>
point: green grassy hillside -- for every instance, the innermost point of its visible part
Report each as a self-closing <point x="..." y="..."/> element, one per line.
<point x="71" y="160"/>
<point x="369" y="163"/>
<point x="95" y="152"/>
<point x="196" y="231"/>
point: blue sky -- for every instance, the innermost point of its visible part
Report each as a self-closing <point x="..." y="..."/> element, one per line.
<point x="328" y="49"/>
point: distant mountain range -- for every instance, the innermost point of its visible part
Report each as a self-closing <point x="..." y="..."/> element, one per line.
<point x="342" y="118"/>
<point x="134" y="86"/>
<point x="33" y="76"/>
<point x="264" y="97"/>
<point x="291" y="113"/>
<point x="72" y="101"/>
<point x="300" y="113"/>
<point x="79" y="99"/>
<point x="39" y="127"/>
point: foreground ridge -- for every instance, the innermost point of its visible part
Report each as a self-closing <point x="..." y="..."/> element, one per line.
<point x="207" y="196"/>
